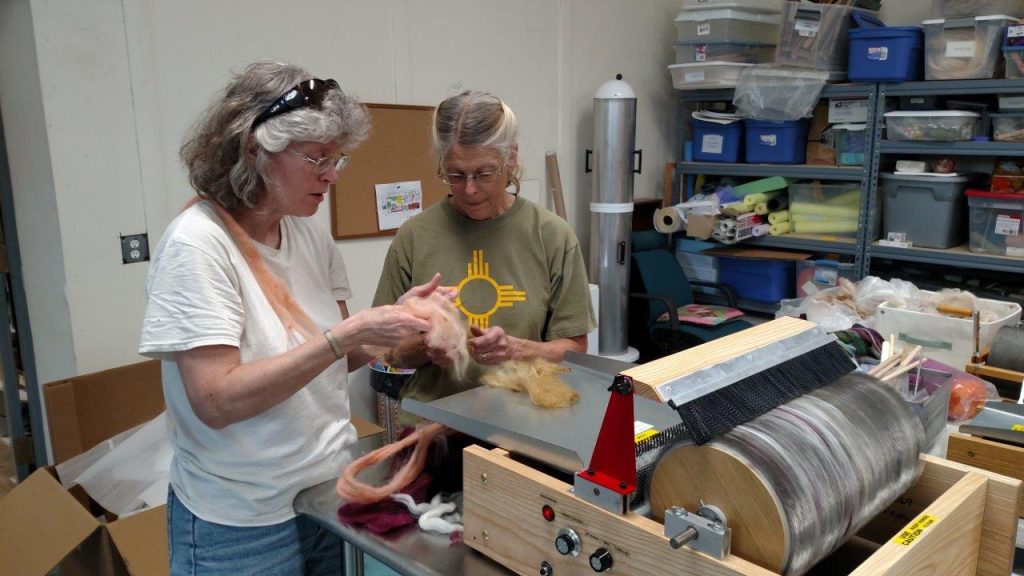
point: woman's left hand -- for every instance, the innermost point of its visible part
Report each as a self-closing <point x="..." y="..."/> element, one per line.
<point x="424" y="290"/>
<point x="491" y="346"/>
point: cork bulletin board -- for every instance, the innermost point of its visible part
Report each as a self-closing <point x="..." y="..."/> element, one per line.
<point x="399" y="149"/>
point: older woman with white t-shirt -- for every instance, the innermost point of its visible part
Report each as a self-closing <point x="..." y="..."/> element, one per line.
<point x="247" y="310"/>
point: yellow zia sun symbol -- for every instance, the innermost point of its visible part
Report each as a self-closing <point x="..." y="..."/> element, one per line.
<point x="505" y="294"/>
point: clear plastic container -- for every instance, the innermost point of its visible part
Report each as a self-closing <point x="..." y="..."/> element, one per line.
<point x="703" y="75"/>
<point x="724" y="52"/>
<point x="935" y="125"/>
<point x="813" y="276"/>
<point x="1008" y="127"/>
<point x="1011" y="102"/>
<point x="851" y="142"/>
<point x="824" y="209"/>
<point x="764" y="6"/>
<point x="972" y="8"/>
<point x="963" y="48"/>
<point x="726" y="25"/>
<point x="1014" y="56"/>
<point x="815" y="36"/>
<point x="995" y="223"/>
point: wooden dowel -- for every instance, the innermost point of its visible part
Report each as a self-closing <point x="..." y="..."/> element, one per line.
<point x="901" y="371"/>
<point x="910" y="357"/>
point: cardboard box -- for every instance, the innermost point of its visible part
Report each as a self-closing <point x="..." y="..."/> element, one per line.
<point x="43" y="526"/>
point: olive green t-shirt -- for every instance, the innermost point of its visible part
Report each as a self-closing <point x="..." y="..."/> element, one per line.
<point x="522" y="271"/>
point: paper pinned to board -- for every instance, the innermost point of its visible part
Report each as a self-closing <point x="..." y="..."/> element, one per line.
<point x="398" y="202"/>
<point x="127" y="473"/>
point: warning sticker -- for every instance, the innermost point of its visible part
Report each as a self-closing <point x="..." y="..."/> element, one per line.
<point x="915" y="529"/>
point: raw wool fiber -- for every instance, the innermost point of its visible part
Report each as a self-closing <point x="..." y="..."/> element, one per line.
<point x="448" y="329"/>
<point x="538" y="377"/>
<point x="352" y="490"/>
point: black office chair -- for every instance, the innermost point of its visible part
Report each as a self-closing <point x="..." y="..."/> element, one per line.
<point x="658" y="285"/>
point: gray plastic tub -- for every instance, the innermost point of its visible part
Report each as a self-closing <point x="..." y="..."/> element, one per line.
<point x="930" y="210"/>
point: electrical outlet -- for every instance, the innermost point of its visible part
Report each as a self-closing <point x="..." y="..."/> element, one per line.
<point x="134" y="248"/>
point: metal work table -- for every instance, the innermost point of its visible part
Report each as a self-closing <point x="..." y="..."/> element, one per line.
<point x="410" y="552"/>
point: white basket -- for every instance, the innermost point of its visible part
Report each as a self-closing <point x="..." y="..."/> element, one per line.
<point x="942" y="338"/>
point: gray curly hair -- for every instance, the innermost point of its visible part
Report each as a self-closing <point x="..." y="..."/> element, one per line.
<point x="215" y="150"/>
<point x="477" y="119"/>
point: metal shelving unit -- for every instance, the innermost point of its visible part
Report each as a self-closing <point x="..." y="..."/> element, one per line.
<point x="864" y="247"/>
<point x="861" y="174"/>
<point x="958" y="257"/>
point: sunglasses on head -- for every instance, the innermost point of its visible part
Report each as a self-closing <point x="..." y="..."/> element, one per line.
<point x="308" y="93"/>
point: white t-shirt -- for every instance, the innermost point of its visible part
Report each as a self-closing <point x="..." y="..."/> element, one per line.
<point x="201" y="292"/>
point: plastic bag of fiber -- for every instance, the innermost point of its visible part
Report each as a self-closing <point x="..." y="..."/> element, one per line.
<point x="777" y="93"/>
<point x="127" y="473"/>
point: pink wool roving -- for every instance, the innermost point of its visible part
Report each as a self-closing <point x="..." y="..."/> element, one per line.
<point x="447" y="328"/>
<point x="287" y="309"/>
<point x="352" y="490"/>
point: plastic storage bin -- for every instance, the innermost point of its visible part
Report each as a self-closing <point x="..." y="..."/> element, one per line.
<point x="1011" y="102"/>
<point x="1014" y="56"/>
<point x="726" y="25"/>
<point x="995" y="223"/>
<point x="939" y="125"/>
<point x="706" y="75"/>
<point x="714" y="142"/>
<point x="943" y="338"/>
<point x="963" y="48"/>
<point x="971" y="8"/>
<point x="764" y="6"/>
<point x="928" y="210"/>
<point x="1008" y="126"/>
<point x="814" y="36"/>
<point x="776" y="142"/>
<point x="889" y="54"/>
<point x="829" y="209"/>
<point x="759" y="280"/>
<point x="813" y="276"/>
<point x="724" y="52"/>
<point x="851" y="143"/>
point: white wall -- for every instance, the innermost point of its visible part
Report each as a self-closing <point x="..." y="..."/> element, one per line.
<point x="97" y="96"/>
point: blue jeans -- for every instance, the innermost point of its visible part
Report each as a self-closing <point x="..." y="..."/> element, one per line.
<point x="293" y="548"/>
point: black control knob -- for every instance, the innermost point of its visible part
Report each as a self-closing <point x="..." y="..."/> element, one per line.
<point x="567" y="542"/>
<point x="546" y="569"/>
<point x="601" y="560"/>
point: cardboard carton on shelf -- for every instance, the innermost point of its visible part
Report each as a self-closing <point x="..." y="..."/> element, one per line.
<point x="43" y="525"/>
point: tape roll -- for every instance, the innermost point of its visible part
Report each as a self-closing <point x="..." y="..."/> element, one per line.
<point x="761" y="230"/>
<point x="726" y="224"/>
<point x="667" y="220"/>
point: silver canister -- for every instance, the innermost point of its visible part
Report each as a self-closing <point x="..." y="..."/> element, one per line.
<point x="611" y="209"/>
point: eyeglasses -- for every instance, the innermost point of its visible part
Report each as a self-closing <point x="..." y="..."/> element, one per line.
<point x="308" y="93"/>
<point x="459" y="179"/>
<point x="324" y="164"/>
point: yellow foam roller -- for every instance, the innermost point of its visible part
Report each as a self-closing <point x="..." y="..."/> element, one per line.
<point x="836" y="212"/>
<point x="759" y="197"/>
<point x="825" y="227"/>
<point x="779" y="228"/>
<point x="780" y="216"/>
<point x="761" y="208"/>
